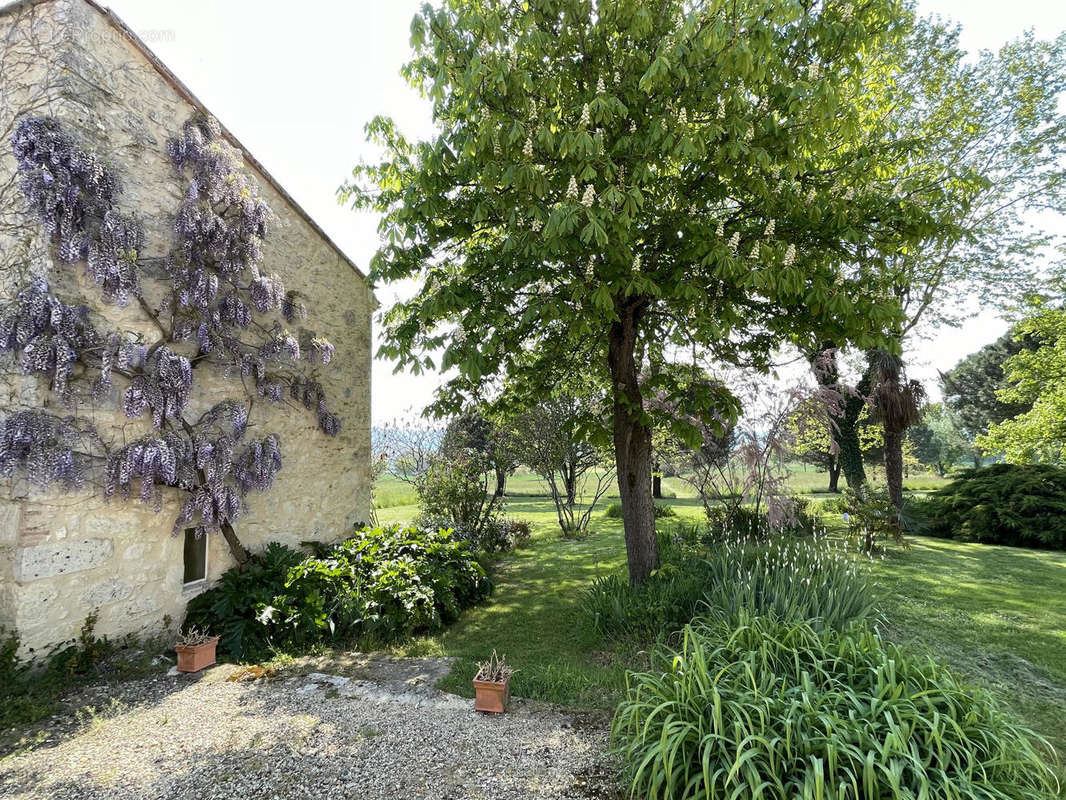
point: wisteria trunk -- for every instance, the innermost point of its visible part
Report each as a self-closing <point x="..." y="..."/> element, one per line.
<point x="238" y="550"/>
<point x="632" y="447"/>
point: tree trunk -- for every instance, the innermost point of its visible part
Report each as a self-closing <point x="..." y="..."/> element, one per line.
<point x="240" y="553"/>
<point x="894" y="466"/>
<point x="940" y="468"/>
<point x="834" y="476"/>
<point x="501" y="481"/>
<point x="632" y="445"/>
<point x="570" y="476"/>
<point x="657" y="481"/>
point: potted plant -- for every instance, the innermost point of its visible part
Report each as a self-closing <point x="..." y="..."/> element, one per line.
<point x="196" y="650"/>
<point x="492" y="685"/>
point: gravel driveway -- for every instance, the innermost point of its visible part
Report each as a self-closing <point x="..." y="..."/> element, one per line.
<point x="313" y="736"/>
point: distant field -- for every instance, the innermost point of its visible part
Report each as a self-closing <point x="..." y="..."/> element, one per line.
<point x="389" y="492"/>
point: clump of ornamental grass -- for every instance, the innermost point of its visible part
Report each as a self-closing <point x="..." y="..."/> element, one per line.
<point x="791" y="578"/>
<point x="762" y="707"/>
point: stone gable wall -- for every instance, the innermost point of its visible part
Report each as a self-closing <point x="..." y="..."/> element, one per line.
<point x="62" y="556"/>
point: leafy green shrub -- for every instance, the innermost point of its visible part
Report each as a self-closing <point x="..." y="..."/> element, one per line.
<point x="237" y="608"/>
<point x="613" y="511"/>
<point x="385" y="582"/>
<point x="1013" y="504"/>
<point x="794" y="579"/>
<point x="453" y="494"/>
<point x="664" y="510"/>
<point x="767" y="708"/>
<point x="732" y="522"/>
<point x="872" y="518"/>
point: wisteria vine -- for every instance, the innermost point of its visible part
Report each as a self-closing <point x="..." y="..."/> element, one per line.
<point x="223" y="310"/>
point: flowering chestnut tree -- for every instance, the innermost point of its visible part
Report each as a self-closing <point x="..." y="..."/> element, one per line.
<point x="614" y="182"/>
<point x="210" y="305"/>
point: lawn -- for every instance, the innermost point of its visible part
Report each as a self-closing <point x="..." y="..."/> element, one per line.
<point x="803" y="479"/>
<point x="998" y="614"/>
<point x="534" y="616"/>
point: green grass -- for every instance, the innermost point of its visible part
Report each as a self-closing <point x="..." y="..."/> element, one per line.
<point x="534" y="616"/>
<point x="391" y="493"/>
<point x="997" y="614"/>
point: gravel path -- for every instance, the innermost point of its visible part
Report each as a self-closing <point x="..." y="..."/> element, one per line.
<point x="314" y="736"/>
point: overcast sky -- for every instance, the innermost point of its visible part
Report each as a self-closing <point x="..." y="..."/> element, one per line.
<point x="296" y="83"/>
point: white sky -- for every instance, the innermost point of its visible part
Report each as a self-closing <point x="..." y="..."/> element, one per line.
<point x="296" y="83"/>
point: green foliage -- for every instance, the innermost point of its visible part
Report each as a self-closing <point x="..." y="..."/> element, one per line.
<point x="872" y="518"/>
<point x="762" y="707"/>
<point x="794" y="579"/>
<point x="384" y="583"/>
<point x="663" y="510"/>
<point x="454" y="493"/>
<point x="1034" y="379"/>
<point x="938" y="440"/>
<point x="1013" y="504"/>
<point x="972" y="387"/>
<point x="29" y="692"/>
<point x="553" y="176"/>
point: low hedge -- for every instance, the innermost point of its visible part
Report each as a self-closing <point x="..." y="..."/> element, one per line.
<point x="385" y="582"/>
<point x="1012" y="504"/>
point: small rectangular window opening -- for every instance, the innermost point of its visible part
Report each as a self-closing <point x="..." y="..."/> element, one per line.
<point x="195" y="557"/>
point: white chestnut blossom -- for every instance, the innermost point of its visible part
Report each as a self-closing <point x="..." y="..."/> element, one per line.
<point x="636" y="263"/>
<point x="633" y="126"/>
<point x="586" y="117"/>
<point x="814" y="71"/>
<point x="754" y="251"/>
<point x="682" y="116"/>
<point x="721" y="108"/>
<point x="749" y="134"/>
<point x="536" y="225"/>
<point x="734" y="242"/>
<point x="600" y="88"/>
<point x="790" y="255"/>
<point x="589" y="197"/>
<point x="590" y="269"/>
<point x="850" y="193"/>
<point x="847" y="12"/>
<point x="811" y="195"/>
<point x="527" y="148"/>
<point x="770" y="227"/>
<point x="571" y="190"/>
<point x="720" y="230"/>
<point x="617" y="77"/>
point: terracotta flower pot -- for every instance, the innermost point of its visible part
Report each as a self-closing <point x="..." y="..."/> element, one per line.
<point x="492" y="696"/>
<point x="193" y="658"/>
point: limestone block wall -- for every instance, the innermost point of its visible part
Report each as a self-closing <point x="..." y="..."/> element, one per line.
<point x="63" y="556"/>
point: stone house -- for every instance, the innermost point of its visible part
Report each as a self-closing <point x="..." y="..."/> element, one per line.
<point x="64" y="556"/>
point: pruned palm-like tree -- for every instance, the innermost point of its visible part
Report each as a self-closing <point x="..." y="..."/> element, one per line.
<point x="897" y="405"/>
